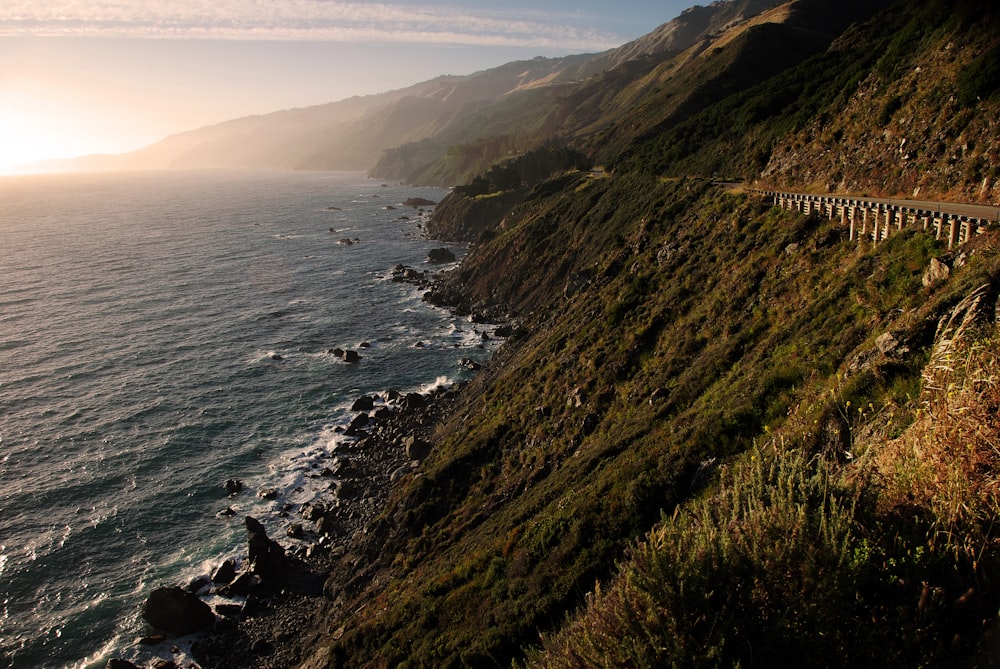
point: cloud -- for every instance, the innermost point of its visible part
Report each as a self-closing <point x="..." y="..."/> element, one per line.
<point x="308" y="20"/>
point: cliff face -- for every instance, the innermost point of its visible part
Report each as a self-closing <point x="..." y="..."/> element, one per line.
<point x="924" y="122"/>
<point x="618" y="486"/>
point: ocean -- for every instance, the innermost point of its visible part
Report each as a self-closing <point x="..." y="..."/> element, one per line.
<point x="163" y="332"/>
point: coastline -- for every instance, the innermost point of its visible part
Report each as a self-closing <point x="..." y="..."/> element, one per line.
<point x="279" y="622"/>
<point x="279" y="625"/>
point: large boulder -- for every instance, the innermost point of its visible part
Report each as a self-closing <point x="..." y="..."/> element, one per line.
<point x="936" y="272"/>
<point x="266" y="556"/>
<point x="441" y="255"/>
<point x="363" y="403"/>
<point x="177" y="611"/>
<point x="416" y="448"/>
<point x="414" y="401"/>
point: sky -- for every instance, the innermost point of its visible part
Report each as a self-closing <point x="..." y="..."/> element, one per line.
<point x="109" y="76"/>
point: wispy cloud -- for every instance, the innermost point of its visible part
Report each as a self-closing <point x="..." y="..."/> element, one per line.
<point x="330" y="20"/>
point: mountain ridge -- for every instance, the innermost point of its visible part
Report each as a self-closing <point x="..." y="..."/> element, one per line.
<point x="327" y="136"/>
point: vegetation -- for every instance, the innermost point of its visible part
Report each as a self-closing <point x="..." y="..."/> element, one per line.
<point x="724" y="434"/>
<point x="796" y="558"/>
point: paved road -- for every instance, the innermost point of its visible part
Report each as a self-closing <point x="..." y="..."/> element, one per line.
<point x="980" y="211"/>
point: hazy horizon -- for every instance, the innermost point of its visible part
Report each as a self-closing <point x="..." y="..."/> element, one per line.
<point x="85" y="78"/>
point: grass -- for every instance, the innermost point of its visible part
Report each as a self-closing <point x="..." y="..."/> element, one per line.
<point x="797" y="559"/>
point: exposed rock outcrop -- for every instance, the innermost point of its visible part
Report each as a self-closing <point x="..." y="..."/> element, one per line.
<point x="177" y="611"/>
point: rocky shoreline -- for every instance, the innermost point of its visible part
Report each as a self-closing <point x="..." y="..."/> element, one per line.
<point x="268" y="607"/>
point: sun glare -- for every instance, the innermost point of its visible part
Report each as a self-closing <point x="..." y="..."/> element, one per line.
<point x="23" y="140"/>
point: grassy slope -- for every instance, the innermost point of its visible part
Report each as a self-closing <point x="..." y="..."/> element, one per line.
<point x="697" y="323"/>
<point x="701" y="329"/>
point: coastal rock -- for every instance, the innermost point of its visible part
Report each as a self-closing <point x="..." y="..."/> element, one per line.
<point x="350" y="356"/>
<point x="225" y="573"/>
<point x="357" y="424"/>
<point x="176" y="611"/>
<point x="418" y="202"/>
<point x="363" y="403"/>
<point x="504" y="331"/>
<point x="441" y="255"/>
<point x="414" y="401"/>
<point x="199" y="585"/>
<point x="233" y="487"/>
<point x="468" y="363"/>
<point x="266" y="556"/>
<point x="241" y="586"/>
<point x="117" y="663"/>
<point x="327" y="526"/>
<point x="228" y="610"/>
<point x="313" y="511"/>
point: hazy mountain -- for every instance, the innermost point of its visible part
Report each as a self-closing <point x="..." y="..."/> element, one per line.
<point x="353" y="133"/>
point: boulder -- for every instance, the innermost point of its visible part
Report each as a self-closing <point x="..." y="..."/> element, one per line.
<point x="418" y="202"/>
<point x="350" y="356"/>
<point x="241" y="586"/>
<point x="414" y="401"/>
<point x="313" y="511"/>
<point x="327" y="526"/>
<point x="176" y="611"/>
<point x="199" y="584"/>
<point x="889" y="345"/>
<point x="363" y="403"/>
<point x="441" y="255"/>
<point x="225" y="573"/>
<point x="936" y="272"/>
<point x="228" y="610"/>
<point x="266" y="556"/>
<point x="357" y="424"/>
<point x="416" y="448"/>
<point x="116" y="663"/>
<point x="233" y="487"/>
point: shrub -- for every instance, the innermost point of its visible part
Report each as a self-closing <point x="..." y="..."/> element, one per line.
<point x="762" y="568"/>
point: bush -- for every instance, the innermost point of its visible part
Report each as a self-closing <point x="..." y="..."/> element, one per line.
<point x="760" y="571"/>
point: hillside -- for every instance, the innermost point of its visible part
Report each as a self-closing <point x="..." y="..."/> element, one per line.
<point x="420" y="123"/>
<point x="721" y="433"/>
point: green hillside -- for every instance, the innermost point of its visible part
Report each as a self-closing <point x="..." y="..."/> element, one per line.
<point x="722" y="434"/>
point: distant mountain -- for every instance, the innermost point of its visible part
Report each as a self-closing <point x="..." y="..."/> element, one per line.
<point x="354" y="133"/>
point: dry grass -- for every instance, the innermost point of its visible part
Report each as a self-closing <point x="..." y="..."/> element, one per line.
<point x="791" y="558"/>
<point x="948" y="461"/>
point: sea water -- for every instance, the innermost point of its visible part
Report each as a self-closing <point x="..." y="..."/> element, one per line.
<point x="161" y="333"/>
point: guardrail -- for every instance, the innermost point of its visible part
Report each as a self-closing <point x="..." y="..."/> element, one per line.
<point x="877" y="218"/>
